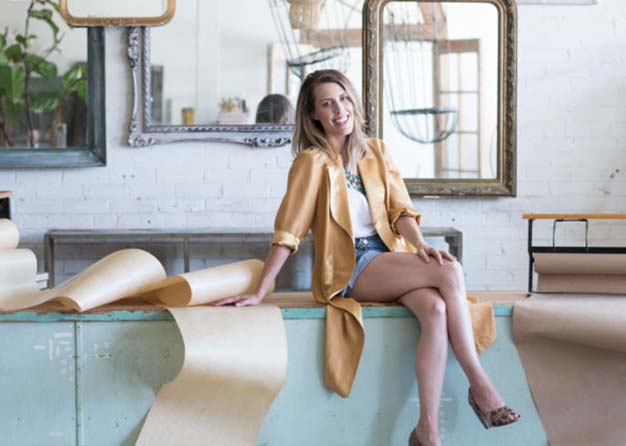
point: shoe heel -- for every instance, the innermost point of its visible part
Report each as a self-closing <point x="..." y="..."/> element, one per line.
<point x="413" y="439"/>
<point x="482" y="417"/>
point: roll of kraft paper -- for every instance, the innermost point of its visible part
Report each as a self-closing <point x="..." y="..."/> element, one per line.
<point x="581" y="273"/>
<point x="18" y="267"/>
<point x="18" y="275"/>
<point x="235" y="365"/>
<point x="9" y="235"/>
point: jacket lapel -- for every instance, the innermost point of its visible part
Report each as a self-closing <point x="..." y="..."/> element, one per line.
<point x="339" y="207"/>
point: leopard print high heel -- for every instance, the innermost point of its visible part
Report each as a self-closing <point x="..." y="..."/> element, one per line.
<point x="498" y="417"/>
<point x="414" y="439"/>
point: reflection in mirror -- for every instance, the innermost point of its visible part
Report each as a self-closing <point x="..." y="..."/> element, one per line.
<point x="215" y="65"/>
<point x="275" y="109"/>
<point x="43" y="78"/>
<point x="440" y="114"/>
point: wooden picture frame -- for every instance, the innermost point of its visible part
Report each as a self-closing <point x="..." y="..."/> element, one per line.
<point x="94" y="153"/>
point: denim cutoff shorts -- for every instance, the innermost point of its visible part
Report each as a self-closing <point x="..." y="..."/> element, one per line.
<point x="365" y="249"/>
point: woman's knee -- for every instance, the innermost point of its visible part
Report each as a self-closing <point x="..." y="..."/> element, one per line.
<point x="428" y="305"/>
<point x="436" y="311"/>
<point x="451" y="274"/>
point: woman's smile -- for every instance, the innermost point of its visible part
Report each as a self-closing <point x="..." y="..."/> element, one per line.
<point x="343" y="121"/>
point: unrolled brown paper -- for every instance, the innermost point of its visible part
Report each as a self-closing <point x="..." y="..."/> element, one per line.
<point x="122" y="274"/>
<point x="235" y="365"/>
<point x="573" y="349"/>
<point x="209" y="285"/>
<point x="581" y="273"/>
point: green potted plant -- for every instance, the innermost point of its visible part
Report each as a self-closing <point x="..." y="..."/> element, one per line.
<point x="21" y="66"/>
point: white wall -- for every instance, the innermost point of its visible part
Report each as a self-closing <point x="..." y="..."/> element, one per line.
<point x="571" y="152"/>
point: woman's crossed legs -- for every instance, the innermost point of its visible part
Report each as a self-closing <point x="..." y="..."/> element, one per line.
<point x="436" y="295"/>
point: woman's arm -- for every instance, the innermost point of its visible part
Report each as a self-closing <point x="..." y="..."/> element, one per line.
<point x="293" y="221"/>
<point x="273" y="264"/>
<point x="407" y="227"/>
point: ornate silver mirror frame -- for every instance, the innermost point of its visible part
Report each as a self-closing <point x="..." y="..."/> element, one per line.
<point x="144" y="133"/>
<point x="504" y="184"/>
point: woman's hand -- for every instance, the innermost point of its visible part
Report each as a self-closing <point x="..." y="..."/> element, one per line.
<point x="425" y="252"/>
<point x="241" y="300"/>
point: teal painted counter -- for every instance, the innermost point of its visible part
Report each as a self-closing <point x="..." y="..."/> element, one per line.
<point x="89" y="379"/>
<point x="138" y="315"/>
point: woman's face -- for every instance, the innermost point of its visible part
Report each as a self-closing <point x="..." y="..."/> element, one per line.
<point x="333" y="109"/>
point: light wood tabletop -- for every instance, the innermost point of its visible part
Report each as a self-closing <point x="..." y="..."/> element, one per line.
<point x="572" y="216"/>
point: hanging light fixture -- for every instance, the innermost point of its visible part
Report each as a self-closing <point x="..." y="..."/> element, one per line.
<point x="414" y="33"/>
<point x="313" y="33"/>
<point x="304" y="14"/>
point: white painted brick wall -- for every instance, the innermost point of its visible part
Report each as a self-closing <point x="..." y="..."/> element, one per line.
<point x="571" y="158"/>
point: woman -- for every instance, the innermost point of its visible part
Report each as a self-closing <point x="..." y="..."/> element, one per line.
<point x="369" y="248"/>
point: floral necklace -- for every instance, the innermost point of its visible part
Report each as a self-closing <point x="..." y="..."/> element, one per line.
<point x="354" y="181"/>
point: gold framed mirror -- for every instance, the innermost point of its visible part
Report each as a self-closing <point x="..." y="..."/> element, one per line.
<point x="440" y="89"/>
<point x="117" y="12"/>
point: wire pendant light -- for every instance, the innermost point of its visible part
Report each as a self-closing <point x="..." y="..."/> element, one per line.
<point x="313" y="33"/>
<point x="414" y="33"/>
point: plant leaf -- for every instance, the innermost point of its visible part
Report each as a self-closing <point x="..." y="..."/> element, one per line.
<point x="3" y="41"/>
<point x="41" y="14"/>
<point x="23" y="40"/>
<point x="73" y="75"/>
<point x="40" y="65"/>
<point x="12" y="79"/>
<point x="81" y="90"/>
<point x="12" y="111"/>
<point x="54" y="5"/>
<point x="46" y="15"/>
<point x="14" y="52"/>
<point x="43" y="102"/>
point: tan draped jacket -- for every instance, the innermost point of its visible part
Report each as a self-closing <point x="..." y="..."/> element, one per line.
<point x="317" y="199"/>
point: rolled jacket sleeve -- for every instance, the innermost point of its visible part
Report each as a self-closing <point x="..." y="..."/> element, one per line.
<point x="296" y="211"/>
<point x="399" y="200"/>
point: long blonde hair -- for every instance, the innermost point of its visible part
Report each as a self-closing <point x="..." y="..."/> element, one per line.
<point x="310" y="133"/>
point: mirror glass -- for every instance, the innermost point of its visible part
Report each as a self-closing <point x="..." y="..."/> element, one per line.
<point x="440" y="72"/>
<point x="226" y="62"/>
<point x="43" y="77"/>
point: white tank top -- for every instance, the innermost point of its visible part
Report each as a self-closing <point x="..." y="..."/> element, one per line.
<point x="362" y="225"/>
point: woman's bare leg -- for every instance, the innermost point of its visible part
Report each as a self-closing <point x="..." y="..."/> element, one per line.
<point x="391" y="275"/>
<point x="430" y="357"/>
